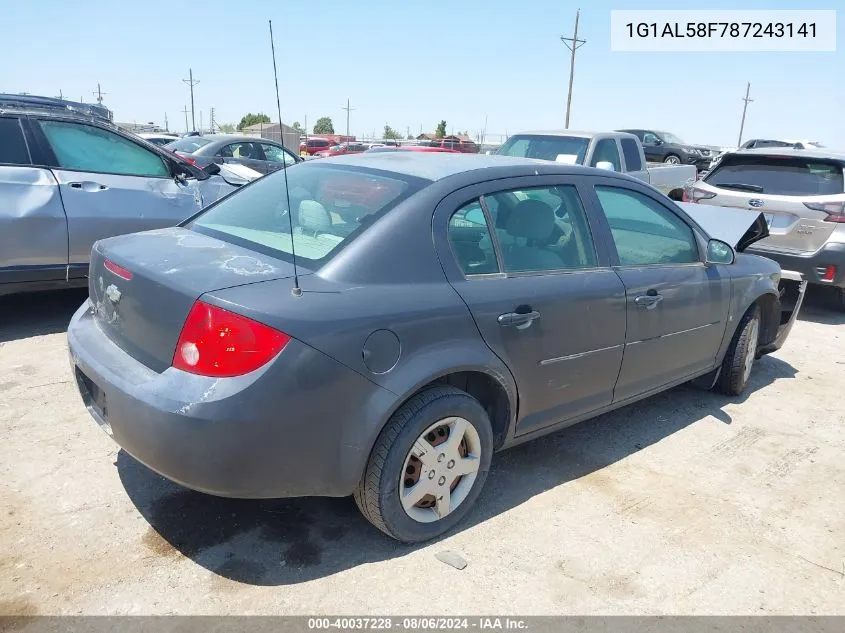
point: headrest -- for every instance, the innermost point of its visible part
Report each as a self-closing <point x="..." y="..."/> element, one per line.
<point x="313" y="216"/>
<point x="532" y="219"/>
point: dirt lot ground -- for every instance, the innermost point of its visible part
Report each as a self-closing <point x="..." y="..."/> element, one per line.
<point x="686" y="503"/>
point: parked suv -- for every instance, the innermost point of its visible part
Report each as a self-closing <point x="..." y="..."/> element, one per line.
<point x="801" y="192"/>
<point x="314" y="144"/>
<point x="68" y="177"/>
<point x="665" y="147"/>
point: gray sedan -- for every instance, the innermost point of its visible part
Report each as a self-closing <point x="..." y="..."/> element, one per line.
<point x="393" y="320"/>
<point x="260" y="154"/>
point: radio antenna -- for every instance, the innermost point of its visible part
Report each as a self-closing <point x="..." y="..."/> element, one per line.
<point x="296" y="291"/>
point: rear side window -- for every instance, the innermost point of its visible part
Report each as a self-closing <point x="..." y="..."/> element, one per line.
<point x="778" y="175"/>
<point x="13" y="150"/>
<point x="631" y="151"/>
<point x="471" y="240"/>
<point x="188" y="145"/>
<point x="88" y="148"/>
<point x="606" y="152"/>
<point x="644" y="231"/>
<point x="330" y="207"/>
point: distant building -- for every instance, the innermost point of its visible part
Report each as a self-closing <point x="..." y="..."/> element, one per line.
<point x="138" y="128"/>
<point x="288" y="136"/>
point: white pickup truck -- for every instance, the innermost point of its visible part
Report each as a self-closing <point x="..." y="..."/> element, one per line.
<point x="616" y="151"/>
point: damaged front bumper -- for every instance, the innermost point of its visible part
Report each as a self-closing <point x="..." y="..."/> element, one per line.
<point x="789" y="309"/>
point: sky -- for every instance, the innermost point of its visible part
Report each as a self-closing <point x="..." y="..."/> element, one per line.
<point x="411" y="64"/>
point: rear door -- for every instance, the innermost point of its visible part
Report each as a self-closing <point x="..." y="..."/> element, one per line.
<point x="33" y="227"/>
<point x="634" y="159"/>
<point x="781" y="187"/>
<point x="676" y="306"/>
<point x="111" y="185"/>
<point x="521" y="254"/>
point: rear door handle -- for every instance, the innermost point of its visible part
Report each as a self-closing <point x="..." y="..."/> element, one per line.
<point x="509" y="319"/>
<point x="649" y="302"/>
<point x="88" y="186"/>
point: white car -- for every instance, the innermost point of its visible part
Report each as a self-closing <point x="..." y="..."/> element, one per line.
<point x="158" y="138"/>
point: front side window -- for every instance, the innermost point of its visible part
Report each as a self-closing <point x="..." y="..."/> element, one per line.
<point x="276" y="154"/>
<point x="606" y="152"/>
<point x="644" y="231"/>
<point x="242" y="150"/>
<point x="88" y="148"/>
<point x="330" y="206"/>
<point x="471" y="242"/>
<point x="13" y="150"/>
<point x="631" y="151"/>
<point x="649" y="138"/>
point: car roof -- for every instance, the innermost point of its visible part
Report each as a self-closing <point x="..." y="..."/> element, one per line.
<point x="791" y="151"/>
<point x="576" y="133"/>
<point x="439" y="165"/>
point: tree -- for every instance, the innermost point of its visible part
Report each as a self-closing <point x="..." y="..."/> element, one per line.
<point x="296" y="126"/>
<point x="389" y="132"/>
<point x="324" y="126"/>
<point x="251" y="119"/>
<point x="226" y="128"/>
<point x="440" y="132"/>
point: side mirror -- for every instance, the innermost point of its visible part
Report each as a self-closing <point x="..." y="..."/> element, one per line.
<point x="657" y="141"/>
<point x="605" y="164"/>
<point x="719" y="252"/>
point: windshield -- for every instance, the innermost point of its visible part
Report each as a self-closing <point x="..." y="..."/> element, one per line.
<point x="331" y="207"/>
<point x="779" y="175"/>
<point x="567" y="149"/>
<point x="668" y="137"/>
<point x="189" y="144"/>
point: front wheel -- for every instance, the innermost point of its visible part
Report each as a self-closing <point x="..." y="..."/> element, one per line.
<point x="428" y="465"/>
<point x="736" y="368"/>
<point x="671" y="159"/>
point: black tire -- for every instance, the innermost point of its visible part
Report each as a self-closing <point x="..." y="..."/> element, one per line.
<point x="377" y="495"/>
<point x="669" y="157"/>
<point x="733" y="378"/>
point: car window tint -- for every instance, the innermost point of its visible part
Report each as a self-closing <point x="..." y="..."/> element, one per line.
<point x="566" y="149"/>
<point x="779" y="175"/>
<point x="471" y="241"/>
<point x="330" y="208"/>
<point x="606" y="151"/>
<point x="188" y="145"/>
<point x="644" y="231"/>
<point x="542" y="228"/>
<point x="89" y="148"/>
<point x="631" y="151"/>
<point x="648" y="137"/>
<point x="13" y="150"/>
<point x="242" y="150"/>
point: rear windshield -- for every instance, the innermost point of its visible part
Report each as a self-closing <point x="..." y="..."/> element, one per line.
<point x="778" y="175"/>
<point x="332" y="205"/>
<point x="189" y="144"/>
<point x="567" y="149"/>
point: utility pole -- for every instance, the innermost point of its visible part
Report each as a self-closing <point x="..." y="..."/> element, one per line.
<point x="186" y="118"/>
<point x="573" y="44"/>
<point x="200" y="121"/>
<point x="211" y="123"/>
<point x="190" y="81"/>
<point x="99" y="94"/>
<point x="348" y="109"/>
<point x="747" y="100"/>
<point x="60" y="94"/>
<point x="166" y="129"/>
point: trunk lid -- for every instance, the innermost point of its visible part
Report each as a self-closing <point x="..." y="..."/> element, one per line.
<point x="170" y="269"/>
<point x="778" y="186"/>
<point x="738" y="227"/>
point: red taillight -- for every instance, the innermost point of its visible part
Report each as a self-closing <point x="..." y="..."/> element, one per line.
<point x="829" y="273"/>
<point x="835" y="210"/>
<point x="218" y="343"/>
<point x="189" y="160"/>
<point x="120" y="271"/>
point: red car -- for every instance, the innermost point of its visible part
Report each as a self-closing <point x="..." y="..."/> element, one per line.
<point x="342" y="149"/>
<point x="314" y="144"/>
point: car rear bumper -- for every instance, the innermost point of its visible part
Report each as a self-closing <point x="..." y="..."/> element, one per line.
<point x="813" y="266"/>
<point x="788" y="314"/>
<point x="288" y="429"/>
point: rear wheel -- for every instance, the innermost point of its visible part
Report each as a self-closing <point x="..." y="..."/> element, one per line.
<point x="671" y="159"/>
<point x="736" y="368"/>
<point x="428" y="465"/>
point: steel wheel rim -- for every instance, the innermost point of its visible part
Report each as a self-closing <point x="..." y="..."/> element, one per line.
<point x="672" y="161"/>
<point x="751" y="352"/>
<point x="440" y="469"/>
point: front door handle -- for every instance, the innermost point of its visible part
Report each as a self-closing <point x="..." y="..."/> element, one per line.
<point x="649" y="302"/>
<point x="509" y="319"/>
<point x="88" y="186"/>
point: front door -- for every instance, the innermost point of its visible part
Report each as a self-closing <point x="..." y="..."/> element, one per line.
<point x="677" y="307"/>
<point x="521" y="255"/>
<point x="111" y="186"/>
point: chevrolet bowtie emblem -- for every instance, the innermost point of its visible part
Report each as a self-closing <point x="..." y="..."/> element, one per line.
<point x="113" y="294"/>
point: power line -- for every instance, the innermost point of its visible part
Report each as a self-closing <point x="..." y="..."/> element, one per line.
<point x="747" y="100"/>
<point x="348" y="109"/>
<point x="190" y="81"/>
<point x="573" y="44"/>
